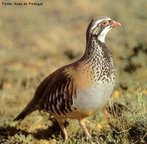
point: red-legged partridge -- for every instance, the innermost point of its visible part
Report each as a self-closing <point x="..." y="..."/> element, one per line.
<point x="80" y="89"/>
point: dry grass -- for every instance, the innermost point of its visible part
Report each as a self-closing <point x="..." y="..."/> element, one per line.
<point x="34" y="41"/>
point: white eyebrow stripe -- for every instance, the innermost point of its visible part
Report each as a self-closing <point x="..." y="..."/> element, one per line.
<point x="99" y="21"/>
<point x="96" y="23"/>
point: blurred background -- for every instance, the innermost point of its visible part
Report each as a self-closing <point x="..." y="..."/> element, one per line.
<point x="36" y="40"/>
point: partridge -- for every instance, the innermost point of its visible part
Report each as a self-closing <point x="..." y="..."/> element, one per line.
<point x="80" y="89"/>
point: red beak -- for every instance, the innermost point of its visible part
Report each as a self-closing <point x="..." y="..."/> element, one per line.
<point x="115" y="24"/>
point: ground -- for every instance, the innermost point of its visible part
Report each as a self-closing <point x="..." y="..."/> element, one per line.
<point x="36" y="40"/>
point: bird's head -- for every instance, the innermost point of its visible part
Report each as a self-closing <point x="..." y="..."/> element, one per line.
<point x="100" y="27"/>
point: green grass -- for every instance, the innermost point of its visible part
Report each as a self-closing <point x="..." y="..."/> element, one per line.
<point x="35" y="41"/>
<point x="126" y="124"/>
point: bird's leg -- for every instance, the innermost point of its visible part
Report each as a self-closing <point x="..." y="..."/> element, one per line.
<point x="63" y="129"/>
<point x="83" y="126"/>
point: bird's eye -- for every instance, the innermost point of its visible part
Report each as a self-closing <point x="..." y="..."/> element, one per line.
<point x="105" y="23"/>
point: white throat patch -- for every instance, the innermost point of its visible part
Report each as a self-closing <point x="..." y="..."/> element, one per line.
<point x="102" y="35"/>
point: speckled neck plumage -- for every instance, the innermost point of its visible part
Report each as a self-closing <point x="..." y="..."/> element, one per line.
<point x="99" y="59"/>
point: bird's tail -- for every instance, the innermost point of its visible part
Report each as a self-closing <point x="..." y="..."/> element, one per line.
<point x="27" y="110"/>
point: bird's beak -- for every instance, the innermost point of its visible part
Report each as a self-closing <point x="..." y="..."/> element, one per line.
<point x="115" y="24"/>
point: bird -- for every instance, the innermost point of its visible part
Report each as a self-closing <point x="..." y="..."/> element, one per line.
<point x="78" y="90"/>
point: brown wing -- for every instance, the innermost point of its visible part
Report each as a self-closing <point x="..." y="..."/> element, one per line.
<point x="54" y="94"/>
<point x="59" y="93"/>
